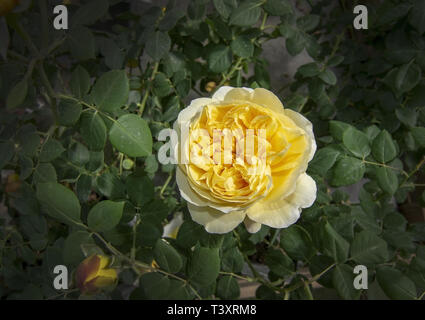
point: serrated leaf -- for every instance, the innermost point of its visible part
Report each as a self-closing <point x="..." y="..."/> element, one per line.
<point x="131" y="135"/>
<point x="93" y="130"/>
<point x="59" y="202"/>
<point x="167" y="257"/>
<point x="357" y="142"/>
<point x="348" y="171"/>
<point x="383" y="147"/>
<point x="111" y="90"/>
<point x="367" y="248"/>
<point x="105" y="215"/>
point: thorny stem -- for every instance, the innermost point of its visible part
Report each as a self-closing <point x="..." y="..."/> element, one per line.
<point x="226" y="77"/>
<point x="418" y="166"/>
<point x="148" y="89"/>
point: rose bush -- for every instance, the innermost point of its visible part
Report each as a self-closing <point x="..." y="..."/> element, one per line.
<point x="220" y="196"/>
<point x="83" y="112"/>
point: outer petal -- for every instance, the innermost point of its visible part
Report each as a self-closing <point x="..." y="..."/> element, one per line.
<point x="186" y="191"/>
<point x="285" y="211"/>
<point x="305" y="124"/>
<point x="221" y="93"/>
<point x="215" y="221"/>
<point x="251" y="226"/>
<point x="187" y="114"/>
<point x="172" y="228"/>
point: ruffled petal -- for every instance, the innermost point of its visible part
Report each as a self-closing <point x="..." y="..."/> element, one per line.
<point x="186" y="191"/>
<point x="305" y="124"/>
<point x="251" y="226"/>
<point x="215" y="221"/>
<point x="285" y="211"/>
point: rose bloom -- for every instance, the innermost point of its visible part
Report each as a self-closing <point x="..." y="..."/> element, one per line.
<point x="93" y="274"/>
<point x="267" y="183"/>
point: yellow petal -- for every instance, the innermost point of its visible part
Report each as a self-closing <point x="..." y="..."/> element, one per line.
<point x="305" y="124"/>
<point x="215" y="221"/>
<point x="285" y="211"/>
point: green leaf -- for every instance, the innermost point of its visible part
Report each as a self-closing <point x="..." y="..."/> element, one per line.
<point x="158" y="45"/>
<point x="105" y="215"/>
<point x="323" y="160"/>
<point x="225" y="7"/>
<point x="247" y="14"/>
<point x="279" y="263"/>
<point x="348" y="171"/>
<point x="328" y="77"/>
<point x="407" y="116"/>
<point x="219" y="58"/>
<point x="387" y="180"/>
<point x="167" y="257"/>
<point x="337" y="129"/>
<point x="334" y="245"/>
<point x="227" y="288"/>
<point x="189" y="233"/>
<point x="357" y="142"/>
<point x="417" y="16"/>
<point x="59" y="202"/>
<point x="295" y="43"/>
<point x="309" y="70"/>
<point x="203" y="266"/>
<point x="419" y="135"/>
<point x="242" y="47"/>
<point x="78" y="154"/>
<point x="111" y="90"/>
<point x="72" y="253"/>
<point x="408" y="76"/>
<point x="153" y="286"/>
<point x="366" y="221"/>
<point x="80" y="82"/>
<point x="51" y="150"/>
<point x="7" y="151"/>
<point x="232" y="260"/>
<point x="93" y="130"/>
<point x="140" y="189"/>
<point x="278" y="7"/>
<point x="342" y="279"/>
<point x="395" y="285"/>
<point x="131" y="135"/>
<point x="383" y="147"/>
<point x="84" y="187"/>
<point x="81" y="43"/>
<point x="90" y="12"/>
<point x="297" y="243"/>
<point x="110" y="186"/>
<point x="45" y="172"/>
<point x="69" y="112"/>
<point x="17" y="94"/>
<point x="308" y="22"/>
<point x="367" y="248"/>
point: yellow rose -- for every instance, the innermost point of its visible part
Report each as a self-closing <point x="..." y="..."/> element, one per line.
<point x="262" y="182"/>
<point x="92" y="274"/>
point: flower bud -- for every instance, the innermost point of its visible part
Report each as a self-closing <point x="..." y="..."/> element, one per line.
<point x="92" y="274"/>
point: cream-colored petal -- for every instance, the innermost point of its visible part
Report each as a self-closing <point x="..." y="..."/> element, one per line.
<point x="171" y="229"/>
<point x="215" y="221"/>
<point x="186" y="190"/>
<point x="305" y="192"/>
<point x="285" y="211"/>
<point x="267" y="99"/>
<point x="251" y="226"/>
<point x="221" y="93"/>
<point x="305" y="124"/>
<point x="187" y="114"/>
